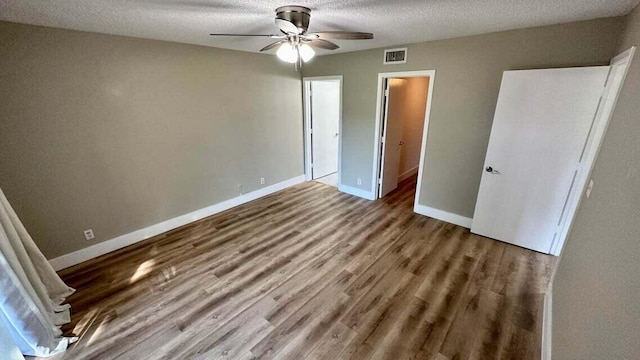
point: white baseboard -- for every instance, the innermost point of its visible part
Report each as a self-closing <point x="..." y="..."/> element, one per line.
<point x="356" y="192"/>
<point x="407" y="174"/>
<point x="443" y="215"/>
<point x="546" y="326"/>
<point x="119" y="242"/>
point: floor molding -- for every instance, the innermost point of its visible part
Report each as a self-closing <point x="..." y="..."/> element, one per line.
<point x="443" y="215"/>
<point x="546" y="326"/>
<point x="119" y="242"/>
<point x="356" y="192"/>
<point x="407" y="174"/>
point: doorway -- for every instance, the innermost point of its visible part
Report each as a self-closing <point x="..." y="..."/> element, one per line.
<point x="401" y="127"/>
<point x="323" y="123"/>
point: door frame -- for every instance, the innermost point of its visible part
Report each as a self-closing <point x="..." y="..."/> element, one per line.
<point x="592" y="149"/>
<point x="377" y="140"/>
<point x="306" y="82"/>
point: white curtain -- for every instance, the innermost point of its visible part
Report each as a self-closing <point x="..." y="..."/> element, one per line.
<point x="31" y="293"/>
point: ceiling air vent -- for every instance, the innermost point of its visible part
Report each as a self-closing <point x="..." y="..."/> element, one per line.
<point x="395" y="56"/>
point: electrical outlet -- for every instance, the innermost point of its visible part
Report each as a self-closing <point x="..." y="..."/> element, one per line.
<point x="359" y="181"/>
<point x="240" y="188"/>
<point x="88" y="234"/>
<point x="261" y="181"/>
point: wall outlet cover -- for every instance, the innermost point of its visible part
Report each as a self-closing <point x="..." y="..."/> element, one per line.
<point x="88" y="234"/>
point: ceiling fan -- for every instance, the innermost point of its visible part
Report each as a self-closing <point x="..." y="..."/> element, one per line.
<point x="295" y="44"/>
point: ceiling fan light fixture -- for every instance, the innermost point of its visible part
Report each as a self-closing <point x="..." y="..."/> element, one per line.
<point x="306" y="52"/>
<point x="296" y="45"/>
<point x="287" y="53"/>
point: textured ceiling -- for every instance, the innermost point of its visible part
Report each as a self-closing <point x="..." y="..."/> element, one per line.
<point x="392" y="22"/>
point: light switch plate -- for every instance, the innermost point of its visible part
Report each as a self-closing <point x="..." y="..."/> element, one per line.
<point x="589" y="188"/>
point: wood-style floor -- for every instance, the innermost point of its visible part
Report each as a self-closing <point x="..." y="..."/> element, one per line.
<point x="311" y="273"/>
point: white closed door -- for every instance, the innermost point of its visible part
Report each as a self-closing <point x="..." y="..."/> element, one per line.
<point x="540" y="127"/>
<point x="325" y="127"/>
<point x="392" y="136"/>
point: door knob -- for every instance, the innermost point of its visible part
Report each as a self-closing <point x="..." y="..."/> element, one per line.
<point x="336" y="135"/>
<point x="491" y="170"/>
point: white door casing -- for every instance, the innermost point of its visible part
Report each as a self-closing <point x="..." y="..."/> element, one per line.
<point x="324" y="126"/>
<point x="540" y="127"/>
<point x="380" y="113"/>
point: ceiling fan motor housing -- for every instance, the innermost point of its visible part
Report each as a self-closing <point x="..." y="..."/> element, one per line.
<point x="297" y="15"/>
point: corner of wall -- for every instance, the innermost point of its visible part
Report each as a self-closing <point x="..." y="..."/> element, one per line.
<point x="443" y="215"/>
<point x="356" y="192"/>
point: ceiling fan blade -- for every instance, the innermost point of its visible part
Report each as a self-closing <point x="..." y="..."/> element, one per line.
<point x="256" y="35"/>
<point x="273" y="45"/>
<point x="322" y="44"/>
<point x="342" y="35"/>
<point x="287" y="27"/>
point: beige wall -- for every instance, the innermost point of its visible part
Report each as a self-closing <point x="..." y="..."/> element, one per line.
<point x="468" y="74"/>
<point x="116" y="134"/>
<point x="415" y="102"/>
<point x="596" y="292"/>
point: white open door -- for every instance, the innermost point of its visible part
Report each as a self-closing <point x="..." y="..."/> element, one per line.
<point x="539" y="132"/>
<point x="325" y="127"/>
<point x="391" y="137"/>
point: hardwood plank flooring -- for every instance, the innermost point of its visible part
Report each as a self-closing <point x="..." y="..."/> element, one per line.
<point x="311" y="273"/>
